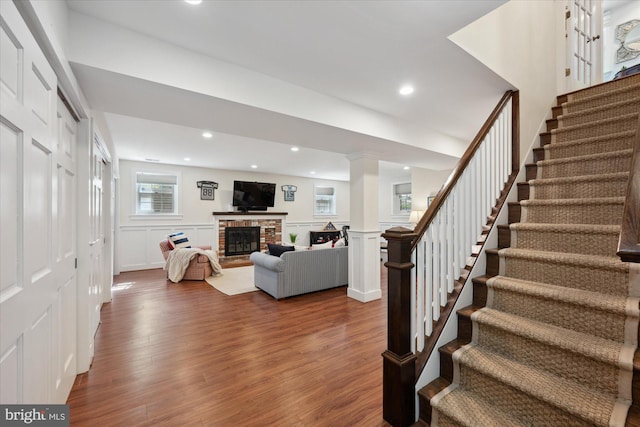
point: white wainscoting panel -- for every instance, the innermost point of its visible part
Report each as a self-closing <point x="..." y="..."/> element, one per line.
<point x="139" y="244"/>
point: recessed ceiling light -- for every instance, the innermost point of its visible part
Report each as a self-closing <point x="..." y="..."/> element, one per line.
<point x="295" y="149"/>
<point x="186" y="159"/>
<point x="207" y="134"/>
<point x="406" y="168"/>
<point x="254" y="166"/>
<point x="312" y="172"/>
<point x="194" y="2"/>
<point x="406" y="90"/>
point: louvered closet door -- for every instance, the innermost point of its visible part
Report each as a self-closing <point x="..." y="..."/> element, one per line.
<point x="37" y="188"/>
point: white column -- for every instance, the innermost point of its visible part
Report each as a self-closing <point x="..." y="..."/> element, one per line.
<point x="364" y="232"/>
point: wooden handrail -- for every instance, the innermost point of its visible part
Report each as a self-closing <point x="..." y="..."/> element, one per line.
<point x="401" y="364"/>
<point x="629" y="242"/>
<point x="455" y="175"/>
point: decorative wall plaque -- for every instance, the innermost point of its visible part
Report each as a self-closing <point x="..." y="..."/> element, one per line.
<point x="289" y="192"/>
<point x="625" y="52"/>
<point x="207" y="189"/>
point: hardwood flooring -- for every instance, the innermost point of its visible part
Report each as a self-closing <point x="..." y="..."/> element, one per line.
<point x="187" y="355"/>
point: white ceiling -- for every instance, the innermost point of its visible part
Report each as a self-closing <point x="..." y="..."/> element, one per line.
<point x="358" y="52"/>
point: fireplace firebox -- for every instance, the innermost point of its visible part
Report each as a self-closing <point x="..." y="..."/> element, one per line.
<point x="241" y="240"/>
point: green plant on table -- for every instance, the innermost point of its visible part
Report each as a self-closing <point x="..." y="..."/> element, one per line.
<point x="293" y="237"/>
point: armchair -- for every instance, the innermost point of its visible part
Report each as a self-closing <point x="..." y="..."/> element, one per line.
<point x="199" y="267"/>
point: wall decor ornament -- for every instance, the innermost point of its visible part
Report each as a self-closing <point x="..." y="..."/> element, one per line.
<point x="289" y="192"/>
<point x="207" y="190"/>
<point x="628" y="49"/>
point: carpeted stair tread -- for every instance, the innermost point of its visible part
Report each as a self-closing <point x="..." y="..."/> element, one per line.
<point x="591" y="145"/>
<point x="597" y="348"/>
<point x="565" y="396"/>
<point x="593" y="362"/>
<point x="593" y="164"/>
<point x="574" y="105"/>
<point x="586" y="158"/>
<point x="604" y="210"/>
<point x="599" y="127"/>
<point x="576" y="309"/>
<point x="613" y="89"/>
<point x="600" y="112"/>
<point x="470" y="410"/>
<point x="586" y="272"/>
<point x="588" y="239"/>
<point x="584" y="186"/>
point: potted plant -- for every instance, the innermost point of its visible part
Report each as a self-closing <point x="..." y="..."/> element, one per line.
<point x="293" y="237"/>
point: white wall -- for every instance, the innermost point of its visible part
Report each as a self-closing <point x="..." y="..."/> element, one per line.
<point x="518" y="41"/>
<point x="612" y="18"/>
<point x="425" y="183"/>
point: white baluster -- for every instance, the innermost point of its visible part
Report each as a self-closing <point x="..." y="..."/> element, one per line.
<point x="428" y="315"/>
<point x="419" y="305"/>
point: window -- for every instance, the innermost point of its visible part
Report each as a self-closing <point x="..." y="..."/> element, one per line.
<point x="325" y="200"/>
<point x="402" y="198"/>
<point x="156" y="193"/>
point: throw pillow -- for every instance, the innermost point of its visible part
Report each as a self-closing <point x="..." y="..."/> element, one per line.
<point x="277" y="250"/>
<point x="327" y="245"/>
<point x="339" y="243"/>
<point x="178" y="240"/>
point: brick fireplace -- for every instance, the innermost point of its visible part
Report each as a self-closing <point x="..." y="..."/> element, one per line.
<point x="270" y="224"/>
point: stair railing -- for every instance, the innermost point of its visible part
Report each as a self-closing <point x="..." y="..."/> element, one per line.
<point x="429" y="264"/>
<point x="629" y="242"/>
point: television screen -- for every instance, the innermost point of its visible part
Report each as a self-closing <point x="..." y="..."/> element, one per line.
<point x="253" y="195"/>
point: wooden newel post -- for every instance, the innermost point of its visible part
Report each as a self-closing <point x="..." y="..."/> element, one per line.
<point x="399" y="361"/>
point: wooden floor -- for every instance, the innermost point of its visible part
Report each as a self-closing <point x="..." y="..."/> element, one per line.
<point x="187" y="355"/>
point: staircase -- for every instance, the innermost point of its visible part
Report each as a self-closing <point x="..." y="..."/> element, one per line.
<point x="551" y="336"/>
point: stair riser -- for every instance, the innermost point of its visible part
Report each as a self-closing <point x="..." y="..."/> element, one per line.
<point x="522" y="406"/>
<point x="554" y="241"/>
<point x="578" y="190"/>
<point x="523" y="191"/>
<point x="612" y="282"/>
<point x="601" y="129"/>
<point x="559" y="313"/>
<point x="557" y="151"/>
<point x="585" y="167"/>
<point x="605" y="214"/>
<point x="600" y="114"/>
<point x="515" y="212"/>
<point x="564" y="364"/>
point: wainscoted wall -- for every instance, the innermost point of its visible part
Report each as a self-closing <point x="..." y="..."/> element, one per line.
<point x="138" y="247"/>
<point x="139" y="250"/>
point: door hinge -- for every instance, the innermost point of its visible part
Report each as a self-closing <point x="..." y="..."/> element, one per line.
<point x="567" y="72"/>
<point x="567" y="14"/>
<point x="76" y="264"/>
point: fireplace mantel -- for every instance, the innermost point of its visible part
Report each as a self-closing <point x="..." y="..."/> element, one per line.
<point x="250" y="213"/>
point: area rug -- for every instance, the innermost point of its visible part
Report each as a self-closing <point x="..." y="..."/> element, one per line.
<point x="234" y="281"/>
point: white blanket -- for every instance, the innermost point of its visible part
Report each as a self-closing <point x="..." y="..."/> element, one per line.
<point x="178" y="261"/>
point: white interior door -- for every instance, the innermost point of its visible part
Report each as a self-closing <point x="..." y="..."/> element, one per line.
<point x="37" y="180"/>
<point x="583" y="44"/>
<point x="65" y="251"/>
<point x="96" y="244"/>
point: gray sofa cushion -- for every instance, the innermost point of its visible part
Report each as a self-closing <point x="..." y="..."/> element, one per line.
<point x="267" y="261"/>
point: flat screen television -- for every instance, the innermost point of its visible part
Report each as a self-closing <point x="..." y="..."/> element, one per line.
<point x="256" y="196"/>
